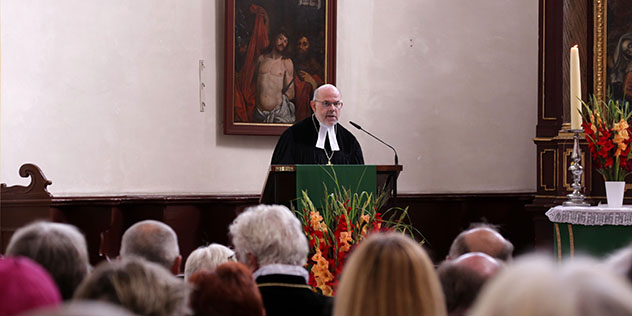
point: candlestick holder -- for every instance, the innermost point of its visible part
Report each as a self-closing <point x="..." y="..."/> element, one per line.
<point x="576" y="198"/>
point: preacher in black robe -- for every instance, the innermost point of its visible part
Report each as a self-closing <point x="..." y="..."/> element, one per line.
<point x="297" y="145"/>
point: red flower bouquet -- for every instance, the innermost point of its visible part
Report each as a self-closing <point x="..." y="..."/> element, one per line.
<point x="607" y="129"/>
<point x="344" y="221"/>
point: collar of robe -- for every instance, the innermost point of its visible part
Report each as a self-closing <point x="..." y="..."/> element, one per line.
<point x="323" y="131"/>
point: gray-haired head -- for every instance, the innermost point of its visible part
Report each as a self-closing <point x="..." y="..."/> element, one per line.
<point x="83" y="308"/>
<point x="537" y="285"/>
<point x="620" y="262"/>
<point x="142" y="287"/>
<point x="153" y="241"/>
<point x="207" y="258"/>
<point x="270" y="233"/>
<point x="60" y="248"/>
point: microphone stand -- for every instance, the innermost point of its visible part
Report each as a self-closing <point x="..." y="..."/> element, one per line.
<point x="391" y="147"/>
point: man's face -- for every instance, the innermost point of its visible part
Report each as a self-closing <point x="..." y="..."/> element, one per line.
<point x="328" y="115"/>
<point x="302" y="45"/>
<point x="280" y="43"/>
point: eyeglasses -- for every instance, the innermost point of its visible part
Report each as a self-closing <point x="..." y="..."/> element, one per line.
<point x="336" y="104"/>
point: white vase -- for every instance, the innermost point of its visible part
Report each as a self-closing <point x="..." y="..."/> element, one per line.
<point x="614" y="193"/>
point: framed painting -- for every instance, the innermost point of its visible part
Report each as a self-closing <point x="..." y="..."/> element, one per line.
<point x="277" y="52"/>
<point x="613" y="49"/>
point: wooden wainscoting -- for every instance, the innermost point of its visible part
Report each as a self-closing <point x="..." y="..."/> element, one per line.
<point x="203" y="219"/>
<point x="199" y="220"/>
<point x="441" y="217"/>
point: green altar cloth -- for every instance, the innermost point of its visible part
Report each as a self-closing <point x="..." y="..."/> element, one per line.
<point x="592" y="230"/>
<point x="314" y="178"/>
<point x="598" y="241"/>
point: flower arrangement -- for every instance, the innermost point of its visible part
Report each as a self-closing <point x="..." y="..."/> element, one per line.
<point x="607" y="128"/>
<point x="345" y="220"/>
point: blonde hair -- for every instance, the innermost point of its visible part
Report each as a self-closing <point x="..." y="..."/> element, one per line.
<point x="389" y="274"/>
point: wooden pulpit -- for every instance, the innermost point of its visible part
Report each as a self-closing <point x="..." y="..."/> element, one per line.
<point x="280" y="186"/>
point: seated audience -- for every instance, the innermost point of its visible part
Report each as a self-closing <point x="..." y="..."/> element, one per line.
<point x="540" y="286"/>
<point x="462" y="279"/>
<point x="621" y="262"/>
<point x="269" y="239"/>
<point x="207" y="258"/>
<point x="389" y="274"/>
<point x="142" y="287"/>
<point x="153" y="241"/>
<point x="82" y="308"/>
<point x="59" y="248"/>
<point x="24" y="286"/>
<point x="228" y="290"/>
<point x="481" y="237"/>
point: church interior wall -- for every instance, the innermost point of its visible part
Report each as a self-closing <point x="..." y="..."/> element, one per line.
<point x="103" y="95"/>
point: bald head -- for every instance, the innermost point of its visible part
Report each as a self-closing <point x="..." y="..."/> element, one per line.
<point x="462" y="279"/>
<point x="481" y="239"/>
<point x="478" y="262"/>
<point x="153" y="241"/>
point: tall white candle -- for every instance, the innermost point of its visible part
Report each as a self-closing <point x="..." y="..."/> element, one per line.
<point x="576" y="90"/>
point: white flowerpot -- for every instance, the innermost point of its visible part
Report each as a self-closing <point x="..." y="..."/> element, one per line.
<point x="614" y="193"/>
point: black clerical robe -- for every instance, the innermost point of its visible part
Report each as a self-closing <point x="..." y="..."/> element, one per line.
<point x="297" y="145"/>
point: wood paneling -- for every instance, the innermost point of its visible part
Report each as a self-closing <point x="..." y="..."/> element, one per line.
<point x="203" y="219"/>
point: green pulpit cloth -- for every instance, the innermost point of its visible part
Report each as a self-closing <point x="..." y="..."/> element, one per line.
<point x="314" y="178"/>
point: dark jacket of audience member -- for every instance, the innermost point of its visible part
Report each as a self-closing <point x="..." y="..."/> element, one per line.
<point x="25" y="285"/>
<point x="60" y="248"/>
<point x="229" y="290"/>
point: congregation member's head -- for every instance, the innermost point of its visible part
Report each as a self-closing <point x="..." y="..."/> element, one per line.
<point x="207" y="258"/>
<point x="540" y="286"/>
<point x="269" y="240"/>
<point x="153" y="241"/>
<point x="142" y="287"/>
<point x="82" y="308"/>
<point x="389" y="274"/>
<point x="59" y="248"/>
<point x="268" y="234"/>
<point x="228" y="290"/>
<point x="481" y="237"/>
<point x="24" y="286"/>
<point x="463" y="278"/>
<point x="621" y="262"/>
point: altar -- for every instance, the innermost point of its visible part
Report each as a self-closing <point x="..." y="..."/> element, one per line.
<point x="593" y="230"/>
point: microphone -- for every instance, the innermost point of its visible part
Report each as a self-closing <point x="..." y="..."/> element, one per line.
<point x="381" y="141"/>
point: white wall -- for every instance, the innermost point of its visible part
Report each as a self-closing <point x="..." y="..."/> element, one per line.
<point x="103" y="95"/>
